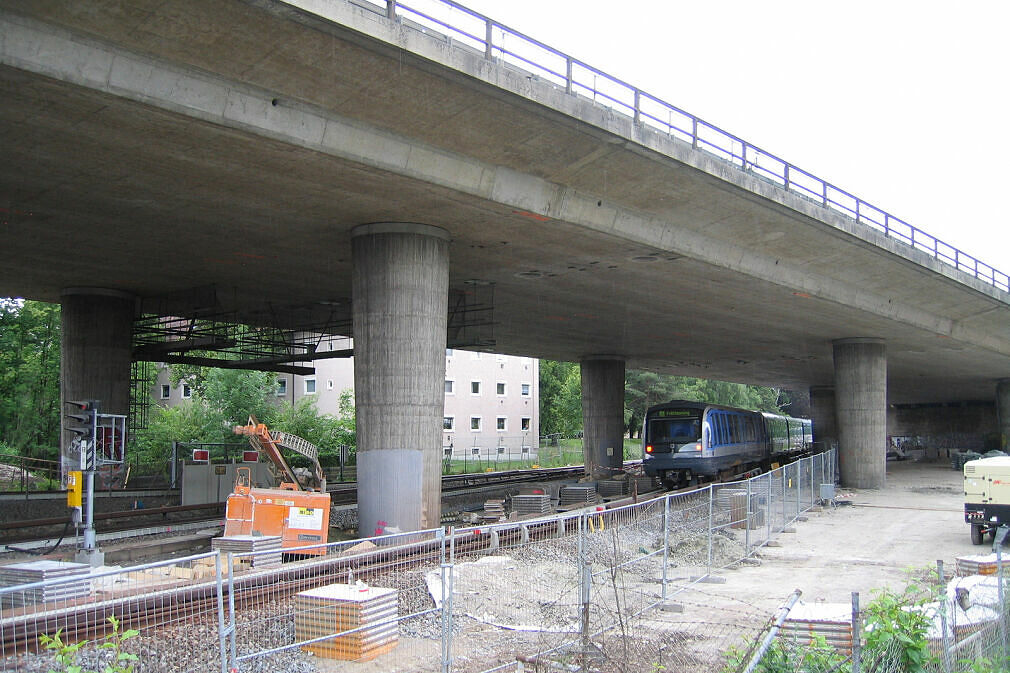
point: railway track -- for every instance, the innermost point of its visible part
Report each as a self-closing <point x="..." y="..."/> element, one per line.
<point x="155" y="606"/>
<point x="340" y="494"/>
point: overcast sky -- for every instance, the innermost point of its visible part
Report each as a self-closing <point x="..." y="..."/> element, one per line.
<point x="903" y="104"/>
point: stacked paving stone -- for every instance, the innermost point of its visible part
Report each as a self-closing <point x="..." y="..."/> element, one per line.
<point x="580" y="494"/>
<point x="15" y="574"/>
<point x="612" y="488"/>
<point x="524" y="505"/>
<point x="245" y="545"/>
<point x="832" y="621"/>
<point x="494" y="510"/>
<point x="979" y="564"/>
<point x="337" y="608"/>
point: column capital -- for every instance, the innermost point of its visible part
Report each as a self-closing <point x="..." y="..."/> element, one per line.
<point x="375" y="228"/>
<point x="858" y="340"/>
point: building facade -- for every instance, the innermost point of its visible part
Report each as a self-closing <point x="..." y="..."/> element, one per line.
<point x="492" y="409"/>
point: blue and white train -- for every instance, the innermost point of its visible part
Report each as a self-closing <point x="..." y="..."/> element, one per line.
<point x="689" y="442"/>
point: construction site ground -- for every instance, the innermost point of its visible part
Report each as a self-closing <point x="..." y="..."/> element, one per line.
<point x="871" y="541"/>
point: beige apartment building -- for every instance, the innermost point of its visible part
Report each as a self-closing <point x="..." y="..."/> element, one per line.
<point x="492" y="408"/>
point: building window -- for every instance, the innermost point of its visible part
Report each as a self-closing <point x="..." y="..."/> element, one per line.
<point x="475" y="387"/>
<point x="310" y="386"/>
<point x="526" y="390"/>
<point x="329" y="384"/>
<point x="448" y="352"/>
<point x="166" y="391"/>
<point x="448" y="423"/>
<point x="526" y="424"/>
<point x="500" y="423"/>
<point x="282" y="387"/>
<point x="500" y="388"/>
<point x="475" y="423"/>
<point x="187" y="392"/>
<point x="450" y="387"/>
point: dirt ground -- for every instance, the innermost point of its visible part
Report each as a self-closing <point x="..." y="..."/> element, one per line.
<point x="872" y="543"/>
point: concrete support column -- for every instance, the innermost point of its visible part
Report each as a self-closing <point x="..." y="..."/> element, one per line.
<point x="822" y="413"/>
<point x="1003" y="411"/>
<point x="861" y="410"/>
<point x="603" y="414"/>
<point x="400" y="294"/>
<point x="95" y="353"/>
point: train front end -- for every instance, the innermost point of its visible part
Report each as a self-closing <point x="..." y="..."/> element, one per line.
<point x="672" y="444"/>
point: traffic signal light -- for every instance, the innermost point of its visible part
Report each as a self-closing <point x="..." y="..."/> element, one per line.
<point x="80" y="422"/>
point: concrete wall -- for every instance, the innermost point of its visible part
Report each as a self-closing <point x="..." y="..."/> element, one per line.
<point x="971" y="425"/>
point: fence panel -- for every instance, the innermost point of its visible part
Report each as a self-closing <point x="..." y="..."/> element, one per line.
<point x="167" y="611"/>
<point x="347" y="602"/>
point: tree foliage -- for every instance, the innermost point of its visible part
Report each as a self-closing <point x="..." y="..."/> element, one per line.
<point x="30" y="377"/>
<point x="561" y="396"/>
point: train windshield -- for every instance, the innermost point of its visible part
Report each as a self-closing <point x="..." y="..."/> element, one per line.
<point x="674" y="430"/>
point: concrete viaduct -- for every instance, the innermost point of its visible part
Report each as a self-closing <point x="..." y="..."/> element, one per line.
<point x="318" y="156"/>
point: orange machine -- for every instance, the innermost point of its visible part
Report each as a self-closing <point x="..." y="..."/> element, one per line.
<point x="295" y="512"/>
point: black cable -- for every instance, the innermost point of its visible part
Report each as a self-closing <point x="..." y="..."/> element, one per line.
<point x="35" y="552"/>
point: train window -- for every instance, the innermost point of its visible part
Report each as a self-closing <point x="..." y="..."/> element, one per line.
<point x="674" y="430"/>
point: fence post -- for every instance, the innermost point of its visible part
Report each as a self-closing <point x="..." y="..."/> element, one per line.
<point x="222" y="634"/>
<point x="769" y="510"/>
<point x="945" y="635"/>
<point x="997" y="544"/>
<point x="233" y="662"/>
<point x="586" y="582"/>
<point x="666" y="540"/>
<point x="446" y="607"/>
<point x="799" y="489"/>
<point x="746" y="529"/>
<point x="711" y="503"/>
<point x="857" y="634"/>
<point x="785" y="490"/>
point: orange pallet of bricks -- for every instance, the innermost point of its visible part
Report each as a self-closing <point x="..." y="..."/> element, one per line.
<point x="298" y="510"/>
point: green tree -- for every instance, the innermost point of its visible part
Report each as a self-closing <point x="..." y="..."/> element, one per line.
<point x="237" y="393"/>
<point x="191" y="421"/>
<point x="560" y="397"/>
<point x="327" y="432"/>
<point x="30" y="377"/>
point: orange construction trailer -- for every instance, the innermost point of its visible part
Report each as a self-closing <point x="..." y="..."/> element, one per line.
<point x="298" y="510"/>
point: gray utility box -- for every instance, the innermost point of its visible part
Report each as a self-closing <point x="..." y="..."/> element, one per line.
<point x="827" y="492"/>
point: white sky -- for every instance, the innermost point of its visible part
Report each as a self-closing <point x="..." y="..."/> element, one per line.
<point x="905" y="104"/>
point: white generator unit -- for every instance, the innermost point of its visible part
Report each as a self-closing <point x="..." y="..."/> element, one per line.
<point x="986" y="496"/>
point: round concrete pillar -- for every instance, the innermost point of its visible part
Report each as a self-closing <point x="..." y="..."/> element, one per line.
<point x="822" y="413"/>
<point x="400" y="295"/>
<point x="95" y="352"/>
<point x="861" y="410"/>
<point x="1003" y="411"/>
<point x="603" y="414"/>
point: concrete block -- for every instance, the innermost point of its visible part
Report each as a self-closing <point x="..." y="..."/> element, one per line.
<point x="672" y="607"/>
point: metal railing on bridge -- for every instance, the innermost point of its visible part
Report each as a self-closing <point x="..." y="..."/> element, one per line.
<point x="497" y="41"/>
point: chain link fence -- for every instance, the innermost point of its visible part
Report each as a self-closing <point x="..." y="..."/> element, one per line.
<point x="629" y="588"/>
<point x="165" y="614"/>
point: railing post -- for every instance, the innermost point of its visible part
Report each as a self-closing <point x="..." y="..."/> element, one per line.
<point x="824" y="193"/>
<point x="638" y="106"/>
<point x="568" y="75"/>
<point x="488" y="36"/>
<point x="786" y="176"/>
<point x="391" y="9"/>
<point x="694" y="132"/>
